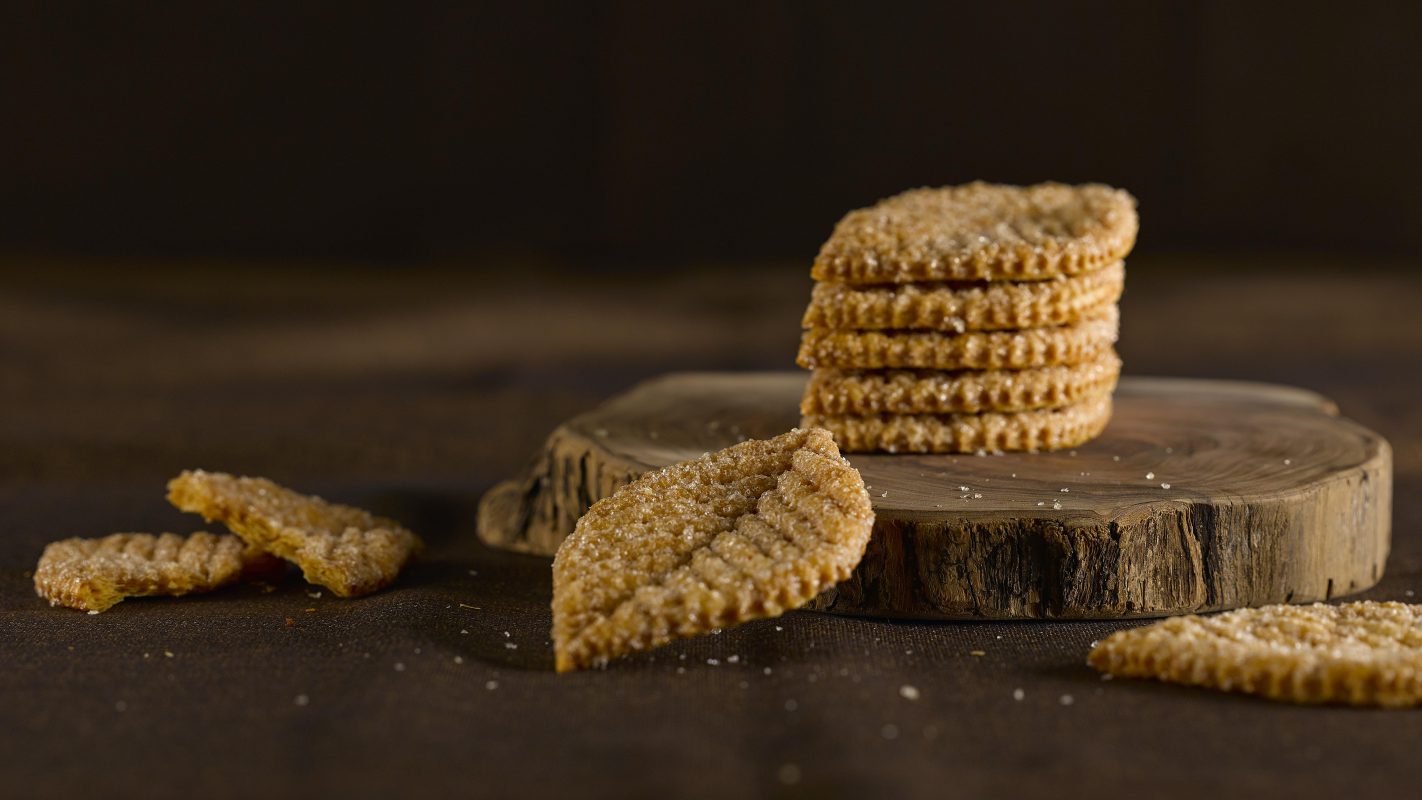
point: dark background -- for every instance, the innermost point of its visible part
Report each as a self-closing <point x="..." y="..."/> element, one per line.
<point x="640" y="132"/>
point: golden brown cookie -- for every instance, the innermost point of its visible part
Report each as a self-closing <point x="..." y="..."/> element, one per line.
<point x="981" y="231"/>
<point x="960" y="307"/>
<point x="347" y="550"/>
<point x="95" y="574"/>
<point x="1046" y="429"/>
<point x="751" y="531"/>
<point x="1361" y="654"/>
<point x="975" y="350"/>
<point x="860" y="392"/>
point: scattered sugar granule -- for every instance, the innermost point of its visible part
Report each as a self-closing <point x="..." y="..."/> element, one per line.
<point x="1150" y="476"/>
<point x="732" y="659"/>
<point x="510" y="646"/>
<point x="713" y="662"/>
<point x="977" y="496"/>
<point x="399" y="666"/>
<point x="1065" y="489"/>
<point x="459" y="659"/>
<point x="1115" y="458"/>
<point x="1018" y="695"/>
<point x="1056" y="504"/>
<point x="1165" y="486"/>
<point x="908" y="692"/>
<point x="302" y="700"/>
<point x="1066" y="700"/>
<point x="1288" y="461"/>
<point x="491" y="685"/>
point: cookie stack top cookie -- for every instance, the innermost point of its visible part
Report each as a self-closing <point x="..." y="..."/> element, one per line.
<point x="981" y="232"/>
<point x="942" y="317"/>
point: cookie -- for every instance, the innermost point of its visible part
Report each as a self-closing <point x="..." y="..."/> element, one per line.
<point x="860" y="392"/>
<point x="981" y="231"/>
<point x="347" y="550"/>
<point x="1047" y="429"/>
<point x="95" y="574"/>
<point x="962" y="307"/>
<point x="1360" y="654"/>
<point x="975" y="350"/>
<point x="747" y="532"/>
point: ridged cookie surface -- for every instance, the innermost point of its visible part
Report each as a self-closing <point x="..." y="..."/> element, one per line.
<point x="974" y="350"/>
<point x="751" y="531"/>
<point x="959" y="307"/>
<point x="1361" y="654"/>
<point x="95" y="574"/>
<point x="347" y="550"/>
<point x="1046" y="429"/>
<point x="981" y="231"/>
<point x="833" y="391"/>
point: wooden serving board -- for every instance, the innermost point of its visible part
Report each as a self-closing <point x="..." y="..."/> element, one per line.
<point x="1199" y="496"/>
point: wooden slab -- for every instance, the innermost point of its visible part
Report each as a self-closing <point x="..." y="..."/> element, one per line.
<point x="1200" y="496"/>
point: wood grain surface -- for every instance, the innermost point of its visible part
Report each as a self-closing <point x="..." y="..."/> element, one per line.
<point x="1201" y="495"/>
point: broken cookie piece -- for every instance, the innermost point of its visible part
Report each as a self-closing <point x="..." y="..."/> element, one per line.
<point x="95" y="574"/>
<point x="1361" y="654"/>
<point x="748" y="532"/>
<point x="345" y="549"/>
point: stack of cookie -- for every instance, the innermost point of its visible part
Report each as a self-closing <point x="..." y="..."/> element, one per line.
<point x="969" y="318"/>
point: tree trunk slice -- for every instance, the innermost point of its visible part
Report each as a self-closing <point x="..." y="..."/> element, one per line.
<point x="1272" y="498"/>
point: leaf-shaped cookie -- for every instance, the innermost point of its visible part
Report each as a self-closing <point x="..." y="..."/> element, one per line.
<point x="1362" y="654"/>
<point x="748" y="532"/>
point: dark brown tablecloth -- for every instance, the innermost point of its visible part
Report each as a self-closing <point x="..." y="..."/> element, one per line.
<point x="411" y="391"/>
